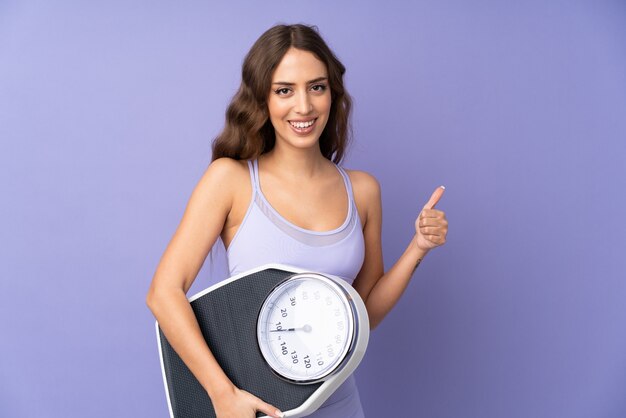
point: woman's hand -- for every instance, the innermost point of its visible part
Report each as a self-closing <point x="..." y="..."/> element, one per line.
<point x="242" y="404"/>
<point x="431" y="226"/>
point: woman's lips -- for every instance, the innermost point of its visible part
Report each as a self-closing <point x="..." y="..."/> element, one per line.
<point x="302" y="127"/>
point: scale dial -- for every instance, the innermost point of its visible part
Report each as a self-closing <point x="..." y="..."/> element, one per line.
<point x="306" y="327"/>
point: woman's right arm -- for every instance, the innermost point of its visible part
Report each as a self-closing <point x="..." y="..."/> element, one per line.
<point x="205" y="216"/>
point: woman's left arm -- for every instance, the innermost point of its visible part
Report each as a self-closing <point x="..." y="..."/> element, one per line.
<point x="381" y="291"/>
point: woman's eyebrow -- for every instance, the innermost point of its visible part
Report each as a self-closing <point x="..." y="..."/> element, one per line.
<point x="316" y="80"/>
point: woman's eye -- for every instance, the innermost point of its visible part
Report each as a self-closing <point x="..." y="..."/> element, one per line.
<point x="319" y="87"/>
<point x="282" y="92"/>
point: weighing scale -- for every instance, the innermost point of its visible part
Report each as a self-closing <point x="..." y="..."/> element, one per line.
<point x="288" y="336"/>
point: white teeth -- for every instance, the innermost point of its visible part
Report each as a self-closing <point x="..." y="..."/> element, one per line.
<point x="302" y="125"/>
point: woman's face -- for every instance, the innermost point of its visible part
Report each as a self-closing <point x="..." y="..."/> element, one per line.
<point x="299" y="100"/>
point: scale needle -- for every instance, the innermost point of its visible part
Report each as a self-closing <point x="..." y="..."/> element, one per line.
<point x="305" y="328"/>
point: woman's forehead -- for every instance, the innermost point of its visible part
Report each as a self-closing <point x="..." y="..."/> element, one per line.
<point x="298" y="66"/>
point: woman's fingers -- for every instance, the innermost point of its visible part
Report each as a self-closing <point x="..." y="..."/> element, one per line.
<point x="268" y="409"/>
<point x="431" y="230"/>
<point x="431" y="225"/>
<point x="432" y="213"/>
<point x="251" y="404"/>
<point x="434" y="198"/>
<point x="434" y="221"/>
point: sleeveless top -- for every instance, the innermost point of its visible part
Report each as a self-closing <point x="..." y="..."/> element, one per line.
<point x="264" y="237"/>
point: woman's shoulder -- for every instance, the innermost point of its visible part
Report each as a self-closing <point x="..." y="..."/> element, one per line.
<point x="366" y="192"/>
<point x="225" y="175"/>
<point x="227" y="170"/>
<point x="363" y="183"/>
<point x="228" y="166"/>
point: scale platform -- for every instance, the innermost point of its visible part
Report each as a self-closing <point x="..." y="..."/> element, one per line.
<point x="227" y="314"/>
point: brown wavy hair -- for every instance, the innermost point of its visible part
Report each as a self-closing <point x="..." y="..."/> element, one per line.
<point x="248" y="131"/>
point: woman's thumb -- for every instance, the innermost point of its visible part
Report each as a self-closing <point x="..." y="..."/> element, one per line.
<point x="269" y="410"/>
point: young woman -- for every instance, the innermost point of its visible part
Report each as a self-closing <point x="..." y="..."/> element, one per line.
<point x="274" y="193"/>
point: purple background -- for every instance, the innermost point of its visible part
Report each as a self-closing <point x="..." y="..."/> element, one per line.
<point x="106" y="116"/>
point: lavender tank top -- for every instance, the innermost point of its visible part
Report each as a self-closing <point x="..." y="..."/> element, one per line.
<point x="264" y="237"/>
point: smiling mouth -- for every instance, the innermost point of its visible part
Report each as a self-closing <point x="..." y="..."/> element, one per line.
<point x="302" y="126"/>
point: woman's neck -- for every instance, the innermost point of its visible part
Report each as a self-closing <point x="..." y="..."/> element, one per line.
<point x="298" y="163"/>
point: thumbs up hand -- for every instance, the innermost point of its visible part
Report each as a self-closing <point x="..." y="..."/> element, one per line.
<point x="431" y="226"/>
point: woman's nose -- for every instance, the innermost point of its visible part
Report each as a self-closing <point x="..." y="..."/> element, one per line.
<point x="303" y="104"/>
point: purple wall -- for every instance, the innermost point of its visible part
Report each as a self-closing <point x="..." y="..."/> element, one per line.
<point x="106" y="115"/>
